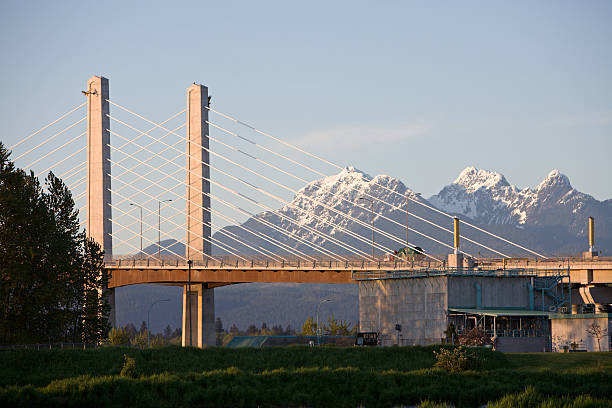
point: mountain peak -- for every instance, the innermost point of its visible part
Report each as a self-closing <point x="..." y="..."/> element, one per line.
<point x="555" y="179"/>
<point x="472" y="179"/>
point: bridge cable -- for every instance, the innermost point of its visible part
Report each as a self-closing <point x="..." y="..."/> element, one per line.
<point x="211" y="225"/>
<point x="172" y="192"/>
<point x="46" y="126"/>
<point x="49" y="139"/>
<point x="339" y="243"/>
<point x="64" y="159"/>
<point x="355" y="189"/>
<point x="29" y="166"/>
<point x="238" y="194"/>
<point x="348" y="201"/>
<point x="172" y="222"/>
<point x="356" y="236"/>
<point x="384" y="187"/>
<point x="151" y="227"/>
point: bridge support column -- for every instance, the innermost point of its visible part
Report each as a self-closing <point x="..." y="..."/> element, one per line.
<point x="202" y="316"/>
<point x="200" y="303"/>
<point x="197" y="200"/>
<point x="99" y="225"/>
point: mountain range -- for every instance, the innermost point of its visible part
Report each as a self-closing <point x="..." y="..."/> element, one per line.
<point x="335" y="214"/>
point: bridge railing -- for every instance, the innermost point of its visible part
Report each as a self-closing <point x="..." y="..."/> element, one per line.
<point x="262" y="263"/>
<point x="418" y="273"/>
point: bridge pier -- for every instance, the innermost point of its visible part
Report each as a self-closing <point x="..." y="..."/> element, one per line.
<point x="201" y="331"/>
<point x="99" y="225"/>
<point x="199" y="304"/>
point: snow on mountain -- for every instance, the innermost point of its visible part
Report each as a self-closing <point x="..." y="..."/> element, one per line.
<point x="485" y="197"/>
<point x="335" y="214"/>
<point x="488" y="198"/>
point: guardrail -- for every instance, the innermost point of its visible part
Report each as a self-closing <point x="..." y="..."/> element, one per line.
<point x="403" y="274"/>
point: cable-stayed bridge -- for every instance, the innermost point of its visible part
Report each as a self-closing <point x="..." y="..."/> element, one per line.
<point x="140" y="183"/>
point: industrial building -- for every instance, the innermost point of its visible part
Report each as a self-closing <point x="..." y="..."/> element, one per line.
<point x="519" y="309"/>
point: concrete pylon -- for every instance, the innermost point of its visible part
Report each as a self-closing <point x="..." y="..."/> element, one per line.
<point x="99" y="225"/>
<point x="198" y="299"/>
<point x="198" y="204"/>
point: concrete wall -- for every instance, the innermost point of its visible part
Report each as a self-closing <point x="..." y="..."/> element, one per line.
<point x="572" y="328"/>
<point x="494" y="292"/>
<point x="418" y="304"/>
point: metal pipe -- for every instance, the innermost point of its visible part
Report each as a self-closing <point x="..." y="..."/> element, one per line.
<point x="456" y="234"/>
<point x="591" y="234"/>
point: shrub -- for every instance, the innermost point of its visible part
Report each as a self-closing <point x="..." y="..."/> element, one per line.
<point x="129" y="367"/>
<point x="475" y="337"/>
<point x="158" y="342"/>
<point x="457" y="359"/>
<point x="141" y="340"/>
<point x="119" y="336"/>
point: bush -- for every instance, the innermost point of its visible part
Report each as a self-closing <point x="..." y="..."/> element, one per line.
<point x="475" y="337"/>
<point x="158" y="342"/>
<point x="119" y="336"/>
<point x="129" y="367"/>
<point x="457" y="359"/>
<point x="141" y="340"/>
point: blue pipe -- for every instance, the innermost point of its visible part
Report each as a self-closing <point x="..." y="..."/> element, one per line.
<point x="530" y="296"/>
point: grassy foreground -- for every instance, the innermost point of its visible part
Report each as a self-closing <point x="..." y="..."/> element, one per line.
<point x="300" y="376"/>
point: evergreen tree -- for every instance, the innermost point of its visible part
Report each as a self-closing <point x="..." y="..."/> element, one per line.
<point x="309" y="328"/>
<point x="168" y="332"/>
<point x="218" y="325"/>
<point x="51" y="277"/>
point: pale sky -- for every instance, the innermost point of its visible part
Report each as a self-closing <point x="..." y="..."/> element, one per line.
<point x="417" y="90"/>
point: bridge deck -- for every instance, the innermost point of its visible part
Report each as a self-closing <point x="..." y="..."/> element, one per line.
<point x="176" y="271"/>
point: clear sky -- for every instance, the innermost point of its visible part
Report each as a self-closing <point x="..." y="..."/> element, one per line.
<point x="414" y="89"/>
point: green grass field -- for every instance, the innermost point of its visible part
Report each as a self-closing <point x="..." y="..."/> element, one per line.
<point x="300" y="376"/>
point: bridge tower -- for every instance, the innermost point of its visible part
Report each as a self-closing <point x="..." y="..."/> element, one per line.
<point x="99" y="225"/>
<point x="198" y="299"/>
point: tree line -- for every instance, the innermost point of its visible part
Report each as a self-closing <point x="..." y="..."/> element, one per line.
<point x="51" y="274"/>
<point x="332" y="327"/>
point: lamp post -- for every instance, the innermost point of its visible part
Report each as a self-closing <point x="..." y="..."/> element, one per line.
<point x="318" y="328"/>
<point x="159" y="226"/>
<point x="189" y="263"/>
<point x="136" y="205"/>
<point x="148" y="323"/>
<point x="371" y="220"/>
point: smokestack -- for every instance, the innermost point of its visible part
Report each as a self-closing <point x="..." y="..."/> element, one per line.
<point x="591" y="234"/>
<point x="456" y="234"/>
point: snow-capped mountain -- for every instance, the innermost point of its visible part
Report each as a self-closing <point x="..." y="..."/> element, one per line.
<point x="335" y="214"/>
<point x="488" y="198"/>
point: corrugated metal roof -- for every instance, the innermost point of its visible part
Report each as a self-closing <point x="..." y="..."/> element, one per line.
<point x="502" y="312"/>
